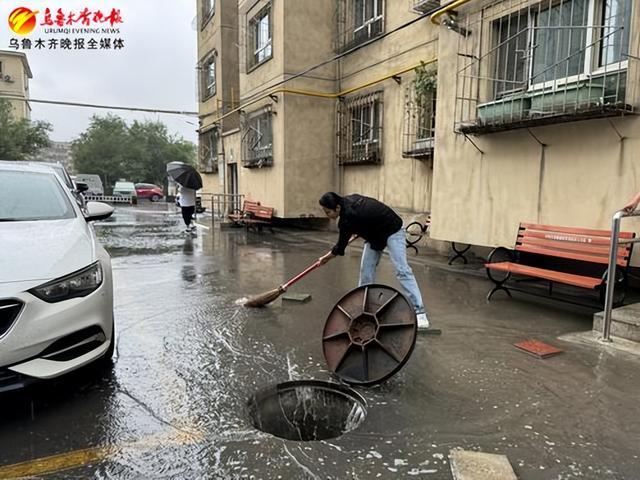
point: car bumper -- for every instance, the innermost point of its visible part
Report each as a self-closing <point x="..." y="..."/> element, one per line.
<point x="47" y="340"/>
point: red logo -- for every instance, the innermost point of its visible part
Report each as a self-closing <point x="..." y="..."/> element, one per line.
<point x="22" y="20"/>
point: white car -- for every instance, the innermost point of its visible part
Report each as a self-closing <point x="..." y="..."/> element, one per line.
<point x="56" y="293"/>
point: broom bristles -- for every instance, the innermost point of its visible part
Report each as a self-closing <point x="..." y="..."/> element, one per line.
<point x="264" y="298"/>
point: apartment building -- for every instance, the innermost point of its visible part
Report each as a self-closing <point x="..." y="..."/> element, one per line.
<point x="14" y="81"/>
<point x="536" y="116"/>
<point x="485" y="113"/>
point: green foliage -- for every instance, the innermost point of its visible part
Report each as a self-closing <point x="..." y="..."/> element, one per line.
<point x="20" y="139"/>
<point x="426" y="83"/>
<point x="137" y="153"/>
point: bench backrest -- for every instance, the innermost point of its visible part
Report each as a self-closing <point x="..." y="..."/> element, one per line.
<point x="257" y="211"/>
<point x="581" y="244"/>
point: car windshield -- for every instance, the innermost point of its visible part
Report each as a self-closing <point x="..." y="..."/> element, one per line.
<point x="32" y="196"/>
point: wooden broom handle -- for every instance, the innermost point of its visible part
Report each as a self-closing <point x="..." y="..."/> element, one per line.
<point x="306" y="271"/>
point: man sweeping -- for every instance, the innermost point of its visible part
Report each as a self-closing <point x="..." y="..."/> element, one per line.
<point x="381" y="228"/>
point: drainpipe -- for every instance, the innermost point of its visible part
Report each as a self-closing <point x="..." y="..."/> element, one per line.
<point x="323" y="94"/>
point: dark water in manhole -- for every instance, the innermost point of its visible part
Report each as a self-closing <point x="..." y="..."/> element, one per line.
<point x="307" y="410"/>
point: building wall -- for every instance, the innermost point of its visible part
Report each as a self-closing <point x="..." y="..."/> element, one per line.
<point x="13" y="65"/>
<point x="403" y="183"/>
<point x="573" y="174"/>
<point x="309" y="164"/>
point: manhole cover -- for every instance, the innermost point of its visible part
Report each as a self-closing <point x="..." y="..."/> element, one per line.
<point x="369" y="335"/>
<point x="307" y="410"/>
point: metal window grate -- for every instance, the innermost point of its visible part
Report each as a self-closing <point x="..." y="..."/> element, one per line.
<point x="360" y="130"/>
<point x="418" y="129"/>
<point x="543" y="62"/>
<point x="208" y="151"/>
<point x="257" y="139"/>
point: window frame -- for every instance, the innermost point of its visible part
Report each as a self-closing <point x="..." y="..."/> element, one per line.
<point x="209" y="61"/>
<point x="207" y="14"/>
<point x="253" y="38"/>
<point x="352" y="146"/>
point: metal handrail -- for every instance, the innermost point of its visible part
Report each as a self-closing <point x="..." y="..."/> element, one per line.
<point x="611" y="270"/>
<point x="223" y="204"/>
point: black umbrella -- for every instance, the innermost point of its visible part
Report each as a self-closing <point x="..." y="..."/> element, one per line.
<point x="185" y="175"/>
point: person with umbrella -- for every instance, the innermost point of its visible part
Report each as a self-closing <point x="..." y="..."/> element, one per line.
<point x="189" y="181"/>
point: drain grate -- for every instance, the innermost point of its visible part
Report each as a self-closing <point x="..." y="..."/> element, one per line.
<point x="307" y="410"/>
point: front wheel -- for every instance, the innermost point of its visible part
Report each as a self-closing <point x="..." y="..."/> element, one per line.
<point x="155" y="198"/>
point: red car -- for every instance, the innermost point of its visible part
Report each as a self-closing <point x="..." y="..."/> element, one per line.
<point x="150" y="191"/>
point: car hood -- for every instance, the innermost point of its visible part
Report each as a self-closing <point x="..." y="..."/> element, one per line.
<point x="44" y="250"/>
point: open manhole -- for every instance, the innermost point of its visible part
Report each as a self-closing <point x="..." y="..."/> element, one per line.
<point x="307" y="410"/>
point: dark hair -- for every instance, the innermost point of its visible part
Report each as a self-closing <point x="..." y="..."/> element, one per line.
<point x="330" y="200"/>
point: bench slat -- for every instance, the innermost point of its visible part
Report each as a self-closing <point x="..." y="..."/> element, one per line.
<point x="566" y="278"/>
<point x="571" y="255"/>
<point x="527" y="239"/>
<point x="575" y="231"/>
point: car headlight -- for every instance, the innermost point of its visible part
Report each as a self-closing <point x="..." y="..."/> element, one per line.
<point x="77" y="284"/>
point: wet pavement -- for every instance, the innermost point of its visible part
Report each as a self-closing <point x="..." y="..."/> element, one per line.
<point x="174" y="403"/>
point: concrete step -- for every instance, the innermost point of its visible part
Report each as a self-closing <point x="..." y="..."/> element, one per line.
<point x="625" y="322"/>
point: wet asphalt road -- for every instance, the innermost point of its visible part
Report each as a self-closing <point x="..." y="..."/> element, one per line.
<point x="173" y="405"/>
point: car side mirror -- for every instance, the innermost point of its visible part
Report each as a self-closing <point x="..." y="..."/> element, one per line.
<point x="81" y="187"/>
<point x="97" y="211"/>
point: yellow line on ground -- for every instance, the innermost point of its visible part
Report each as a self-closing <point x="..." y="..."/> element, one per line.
<point x="201" y="226"/>
<point x="79" y="458"/>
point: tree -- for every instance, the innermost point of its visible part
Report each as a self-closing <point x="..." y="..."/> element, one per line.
<point x="139" y="152"/>
<point x="20" y="139"/>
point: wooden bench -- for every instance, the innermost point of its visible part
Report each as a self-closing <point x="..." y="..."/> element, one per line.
<point x="571" y="256"/>
<point x="253" y="215"/>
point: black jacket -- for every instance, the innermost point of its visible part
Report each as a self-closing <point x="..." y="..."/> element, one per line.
<point x="368" y="218"/>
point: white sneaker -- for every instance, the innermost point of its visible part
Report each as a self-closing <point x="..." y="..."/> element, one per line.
<point x="423" y="321"/>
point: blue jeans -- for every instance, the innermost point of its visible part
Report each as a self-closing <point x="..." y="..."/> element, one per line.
<point x="398" y="253"/>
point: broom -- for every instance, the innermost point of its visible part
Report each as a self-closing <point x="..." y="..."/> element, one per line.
<point x="268" y="297"/>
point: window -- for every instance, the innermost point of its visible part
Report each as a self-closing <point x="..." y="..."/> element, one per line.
<point x="552" y="41"/>
<point x="208" y="153"/>
<point x="209" y="77"/>
<point x="257" y="140"/>
<point x="361" y="130"/>
<point x="419" y="122"/>
<point x="358" y="21"/>
<point x="208" y="10"/>
<point x="547" y="62"/>
<point x="259" y="41"/>
<point x="368" y="19"/>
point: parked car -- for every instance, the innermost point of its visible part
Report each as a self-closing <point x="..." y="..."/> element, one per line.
<point x="61" y="171"/>
<point x="56" y="293"/>
<point x="150" y="191"/>
<point x="93" y="182"/>
<point x="125" y="189"/>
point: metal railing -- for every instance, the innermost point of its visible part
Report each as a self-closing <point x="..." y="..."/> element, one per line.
<point x="611" y="271"/>
<point x="222" y="204"/>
